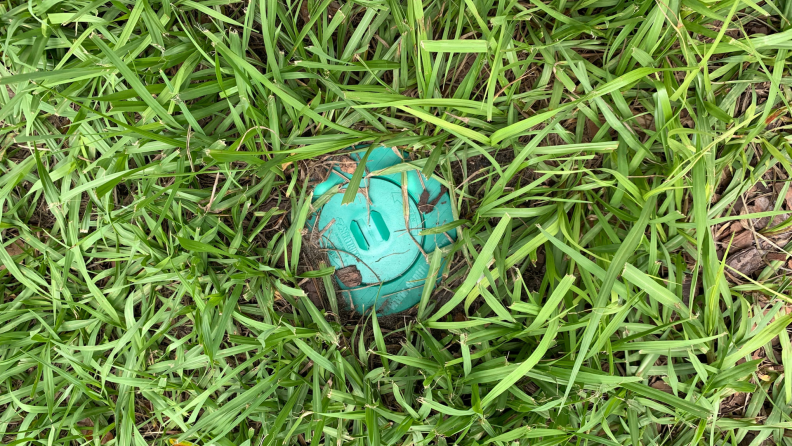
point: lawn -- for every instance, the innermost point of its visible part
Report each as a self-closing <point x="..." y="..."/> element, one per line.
<point x="620" y="176"/>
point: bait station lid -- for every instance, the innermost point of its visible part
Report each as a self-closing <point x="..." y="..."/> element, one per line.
<point x="374" y="242"/>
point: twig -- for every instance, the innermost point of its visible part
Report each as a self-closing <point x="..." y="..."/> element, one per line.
<point x="214" y="189"/>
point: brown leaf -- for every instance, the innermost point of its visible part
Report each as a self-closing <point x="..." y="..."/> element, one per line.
<point x="645" y="122"/>
<point x="662" y="386"/>
<point x="333" y="8"/>
<point x="425" y="205"/>
<point x="349" y="276"/>
<point x="747" y="261"/>
<point x="591" y="129"/>
<point x="347" y="164"/>
<point x="305" y="15"/>
<point x="775" y="115"/>
<point x="742" y="240"/>
<point x="788" y="198"/>
<point x="726" y="231"/>
<point x="89" y="434"/>
<point x="777" y="240"/>
<point x="761" y="204"/>
<point x="734" y="403"/>
<point x="777" y="220"/>
<point x="310" y="288"/>
<point x="13" y="249"/>
<point x="424" y="198"/>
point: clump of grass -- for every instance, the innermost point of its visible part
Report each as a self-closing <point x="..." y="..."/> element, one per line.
<point x="157" y="160"/>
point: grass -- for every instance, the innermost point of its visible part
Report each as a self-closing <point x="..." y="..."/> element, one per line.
<point x="156" y="159"/>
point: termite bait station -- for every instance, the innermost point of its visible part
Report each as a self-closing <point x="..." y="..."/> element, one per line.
<point x="379" y="235"/>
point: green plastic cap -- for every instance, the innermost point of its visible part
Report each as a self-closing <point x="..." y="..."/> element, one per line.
<point x="378" y="234"/>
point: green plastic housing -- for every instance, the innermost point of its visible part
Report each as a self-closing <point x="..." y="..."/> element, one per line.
<point x="379" y="233"/>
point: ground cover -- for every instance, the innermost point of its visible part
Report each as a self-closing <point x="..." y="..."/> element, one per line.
<point x="619" y="172"/>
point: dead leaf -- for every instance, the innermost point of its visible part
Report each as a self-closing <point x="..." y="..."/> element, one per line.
<point x="761" y="204"/>
<point x="347" y="164"/>
<point x="87" y="422"/>
<point x="775" y="115"/>
<point x="747" y="261"/>
<point x="734" y="403"/>
<point x="425" y="205"/>
<point x="777" y="220"/>
<point x="591" y="129"/>
<point x="724" y="234"/>
<point x="645" y="122"/>
<point x="773" y="242"/>
<point x="741" y="240"/>
<point x="310" y="288"/>
<point x="349" y="276"/>
<point x="13" y="249"/>
<point x="305" y="15"/>
<point x="788" y="198"/>
<point x="662" y="386"/>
